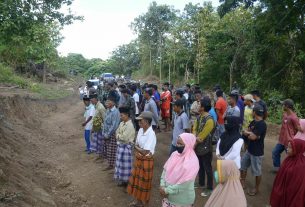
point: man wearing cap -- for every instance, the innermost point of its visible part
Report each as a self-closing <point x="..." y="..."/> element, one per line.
<point x="290" y="126"/>
<point x="181" y="123"/>
<point x="150" y="105"/>
<point x="97" y="125"/>
<point x="140" y="181"/>
<point x="253" y="157"/>
<point x="257" y="97"/>
<point x="89" y="113"/>
<point x="248" y="114"/>
<point x="112" y="121"/>
<point x="125" y="136"/>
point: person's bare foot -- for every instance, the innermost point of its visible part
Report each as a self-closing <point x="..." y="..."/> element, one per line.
<point x="252" y="192"/>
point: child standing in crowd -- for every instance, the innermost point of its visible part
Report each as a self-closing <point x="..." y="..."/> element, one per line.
<point x="253" y="157"/>
<point x="89" y="113"/>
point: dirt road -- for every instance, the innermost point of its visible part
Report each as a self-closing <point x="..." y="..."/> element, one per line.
<point x="67" y="176"/>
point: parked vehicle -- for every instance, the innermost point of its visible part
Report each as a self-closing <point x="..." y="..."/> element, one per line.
<point x="107" y="77"/>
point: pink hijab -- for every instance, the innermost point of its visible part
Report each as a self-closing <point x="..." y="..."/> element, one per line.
<point x="301" y="135"/>
<point x="183" y="167"/>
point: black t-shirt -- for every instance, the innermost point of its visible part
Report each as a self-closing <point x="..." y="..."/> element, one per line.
<point x="256" y="147"/>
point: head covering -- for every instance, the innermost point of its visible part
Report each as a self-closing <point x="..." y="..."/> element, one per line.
<point x="229" y="191"/>
<point x="288" y="102"/>
<point x="289" y="184"/>
<point x="258" y="109"/>
<point x="301" y="135"/>
<point x="249" y="97"/>
<point x="145" y="115"/>
<point x="180" y="168"/>
<point x="231" y="135"/>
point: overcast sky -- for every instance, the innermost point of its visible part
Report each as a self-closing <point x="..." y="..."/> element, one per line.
<point x="106" y="25"/>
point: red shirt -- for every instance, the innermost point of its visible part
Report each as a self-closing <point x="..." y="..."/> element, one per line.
<point x="289" y="128"/>
<point x="221" y="107"/>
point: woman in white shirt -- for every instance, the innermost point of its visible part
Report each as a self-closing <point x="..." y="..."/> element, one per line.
<point x="230" y="142"/>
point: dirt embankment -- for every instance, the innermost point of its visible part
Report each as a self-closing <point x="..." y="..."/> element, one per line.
<point x="27" y="176"/>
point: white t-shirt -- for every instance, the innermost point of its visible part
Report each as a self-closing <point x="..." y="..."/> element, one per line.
<point x="147" y="140"/>
<point x="233" y="153"/>
<point x="136" y="99"/>
<point x="90" y="111"/>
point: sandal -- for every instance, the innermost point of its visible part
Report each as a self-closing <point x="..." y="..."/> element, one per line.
<point x="252" y="192"/>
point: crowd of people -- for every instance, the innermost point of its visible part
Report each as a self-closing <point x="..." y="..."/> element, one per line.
<point x="121" y="123"/>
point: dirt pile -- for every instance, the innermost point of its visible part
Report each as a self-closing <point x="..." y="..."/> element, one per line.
<point x="27" y="177"/>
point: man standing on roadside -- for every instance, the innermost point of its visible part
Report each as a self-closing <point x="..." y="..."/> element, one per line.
<point x="181" y="123"/>
<point x="290" y="126"/>
<point x="221" y="107"/>
<point x="166" y="98"/>
<point x="257" y="97"/>
<point x="253" y="157"/>
<point x="150" y="105"/>
<point x="112" y="121"/>
<point x="97" y="125"/>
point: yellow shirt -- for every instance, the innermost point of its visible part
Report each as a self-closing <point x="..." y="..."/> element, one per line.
<point x="125" y="132"/>
<point x="207" y="128"/>
<point x="248" y="117"/>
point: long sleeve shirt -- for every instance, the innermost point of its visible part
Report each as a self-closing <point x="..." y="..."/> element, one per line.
<point x="151" y="106"/>
<point x="180" y="194"/>
<point x="112" y="121"/>
<point x="126" y="132"/>
<point x="206" y="130"/>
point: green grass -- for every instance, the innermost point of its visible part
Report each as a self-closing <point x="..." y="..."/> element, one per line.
<point x="7" y="76"/>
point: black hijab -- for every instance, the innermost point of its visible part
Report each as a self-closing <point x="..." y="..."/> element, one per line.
<point x="230" y="136"/>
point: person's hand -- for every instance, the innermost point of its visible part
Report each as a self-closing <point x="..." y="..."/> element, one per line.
<point x="162" y="192"/>
<point x="84" y="124"/>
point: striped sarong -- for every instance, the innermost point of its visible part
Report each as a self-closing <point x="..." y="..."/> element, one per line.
<point x="97" y="143"/>
<point x="110" y="149"/>
<point x="140" y="181"/>
<point x="123" y="163"/>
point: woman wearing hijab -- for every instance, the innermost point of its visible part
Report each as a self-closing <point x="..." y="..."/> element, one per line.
<point x="229" y="191"/>
<point x="179" y="174"/>
<point x="289" y="184"/>
<point x="230" y="142"/>
<point x="301" y="135"/>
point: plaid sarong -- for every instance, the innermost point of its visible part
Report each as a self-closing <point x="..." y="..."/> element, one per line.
<point x="97" y="143"/>
<point x="110" y="149"/>
<point x="123" y="163"/>
<point x="140" y="181"/>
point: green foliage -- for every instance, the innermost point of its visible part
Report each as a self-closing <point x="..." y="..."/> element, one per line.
<point x="7" y="76"/>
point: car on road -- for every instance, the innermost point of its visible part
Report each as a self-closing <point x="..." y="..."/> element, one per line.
<point x="94" y="83"/>
<point x="107" y="77"/>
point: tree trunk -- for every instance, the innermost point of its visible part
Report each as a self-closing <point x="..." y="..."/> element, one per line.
<point x="150" y="62"/>
<point x="44" y="72"/>
<point x="169" y="72"/>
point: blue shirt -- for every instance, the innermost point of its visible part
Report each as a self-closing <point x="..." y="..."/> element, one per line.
<point x="212" y="112"/>
<point x="112" y="122"/>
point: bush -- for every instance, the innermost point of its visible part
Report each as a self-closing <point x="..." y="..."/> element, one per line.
<point x="7" y="76"/>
